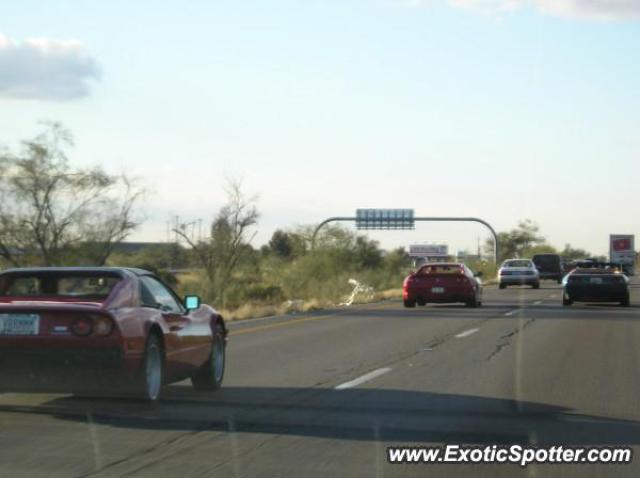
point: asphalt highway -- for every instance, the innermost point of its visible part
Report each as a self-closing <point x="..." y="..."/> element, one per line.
<point x="325" y="394"/>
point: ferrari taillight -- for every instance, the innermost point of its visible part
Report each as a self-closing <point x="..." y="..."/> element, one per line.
<point x="98" y="325"/>
<point x="102" y="325"/>
<point x="82" y="326"/>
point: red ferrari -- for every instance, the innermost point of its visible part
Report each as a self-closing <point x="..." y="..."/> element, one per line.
<point x="442" y="283"/>
<point x="103" y="329"/>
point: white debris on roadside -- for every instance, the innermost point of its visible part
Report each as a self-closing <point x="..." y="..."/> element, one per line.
<point x="295" y="305"/>
<point x="361" y="291"/>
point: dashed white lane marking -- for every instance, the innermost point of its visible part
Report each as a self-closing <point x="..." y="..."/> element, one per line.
<point x="365" y="378"/>
<point x="537" y="302"/>
<point x="553" y="296"/>
<point x="466" y="333"/>
<point x="511" y="312"/>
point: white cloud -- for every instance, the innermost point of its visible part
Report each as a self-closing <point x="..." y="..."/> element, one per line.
<point x="487" y="6"/>
<point x="593" y="9"/>
<point x="586" y="9"/>
<point x="42" y="68"/>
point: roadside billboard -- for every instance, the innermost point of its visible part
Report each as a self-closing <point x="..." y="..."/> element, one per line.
<point x="622" y="251"/>
<point x="429" y="250"/>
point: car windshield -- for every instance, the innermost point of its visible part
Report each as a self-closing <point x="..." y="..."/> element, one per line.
<point x="69" y="285"/>
<point x="441" y="269"/>
<point x="517" y="264"/>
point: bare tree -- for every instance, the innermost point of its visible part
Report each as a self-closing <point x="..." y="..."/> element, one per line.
<point x="52" y="214"/>
<point x="229" y="236"/>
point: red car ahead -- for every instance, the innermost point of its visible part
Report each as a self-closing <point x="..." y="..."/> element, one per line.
<point x="442" y="283"/>
<point x="104" y="329"/>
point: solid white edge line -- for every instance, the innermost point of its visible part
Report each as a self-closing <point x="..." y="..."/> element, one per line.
<point x="466" y="333"/>
<point x="364" y="378"/>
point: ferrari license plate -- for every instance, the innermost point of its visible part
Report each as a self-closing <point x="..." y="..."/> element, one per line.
<point x="19" y="324"/>
<point x="437" y="290"/>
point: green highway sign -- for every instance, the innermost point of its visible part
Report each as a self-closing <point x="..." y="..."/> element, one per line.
<point x="386" y="219"/>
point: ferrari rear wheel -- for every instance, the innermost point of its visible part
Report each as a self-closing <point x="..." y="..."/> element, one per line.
<point x="152" y="371"/>
<point x="625" y="302"/>
<point x="409" y="303"/>
<point x="473" y="302"/>
<point x="210" y="375"/>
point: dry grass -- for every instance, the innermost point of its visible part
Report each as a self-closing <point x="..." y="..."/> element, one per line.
<point x="314" y="304"/>
<point x="387" y="294"/>
<point x="254" y="311"/>
<point x="187" y="276"/>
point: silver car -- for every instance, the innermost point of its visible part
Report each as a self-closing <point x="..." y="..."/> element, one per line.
<point x="518" y="272"/>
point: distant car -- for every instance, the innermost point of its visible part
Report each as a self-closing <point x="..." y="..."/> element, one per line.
<point x="594" y="264"/>
<point x="596" y="284"/>
<point x="573" y="264"/>
<point x="442" y="283"/>
<point x="629" y="269"/>
<point x="567" y="265"/>
<point x="549" y="266"/>
<point x="114" y="330"/>
<point x="518" y="272"/>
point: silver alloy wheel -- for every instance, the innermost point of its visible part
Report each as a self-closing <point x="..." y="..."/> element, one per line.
<point x="218" y="358"/>
<point x="153" y="372"/>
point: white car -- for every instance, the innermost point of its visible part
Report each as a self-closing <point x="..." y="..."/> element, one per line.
<point x="518" y="272"/>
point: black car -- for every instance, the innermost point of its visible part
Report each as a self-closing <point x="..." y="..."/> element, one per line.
<point x="549" y="266"/>
<point x="604" y="284"/>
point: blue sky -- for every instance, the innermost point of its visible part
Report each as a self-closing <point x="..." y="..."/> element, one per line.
<point x="501" y="109"/>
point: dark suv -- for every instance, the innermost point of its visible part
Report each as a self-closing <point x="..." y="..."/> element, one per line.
<point x="549" y="266"/>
